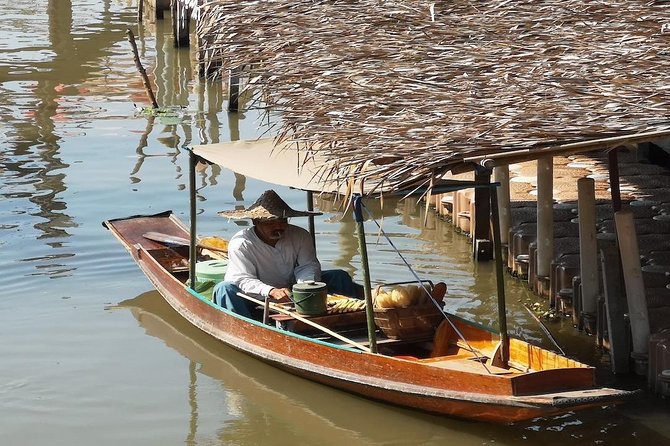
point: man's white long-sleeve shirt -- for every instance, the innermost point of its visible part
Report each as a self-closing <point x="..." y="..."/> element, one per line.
<point x="256" y="267"/>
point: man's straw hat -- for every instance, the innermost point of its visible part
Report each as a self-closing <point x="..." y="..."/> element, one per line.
<point x="269" y="206"/>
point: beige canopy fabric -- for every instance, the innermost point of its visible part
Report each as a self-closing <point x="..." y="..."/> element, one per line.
<point x="262" y="159"/>
<point x="283" y="164"/>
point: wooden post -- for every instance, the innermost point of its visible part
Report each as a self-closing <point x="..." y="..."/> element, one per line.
<point x="456" y="208"/>
<point x="588" y="248"/>
<point x="632" y="274"/>
<point x="501" y="175"/>
<point x="233" y="90"/>
<point x="615" y="188"/>
<point x="181" y="16"/>
<point x="545" y="215"/>
<point x="481" y="235"/>
<point x="140" y="10"/>
<point x="615" y="308"/>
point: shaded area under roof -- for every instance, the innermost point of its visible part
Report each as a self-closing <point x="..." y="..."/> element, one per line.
<point x="431" y="85"/>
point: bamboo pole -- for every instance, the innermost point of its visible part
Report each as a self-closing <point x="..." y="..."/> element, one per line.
<point x="545" y="215"/>
<point x="310" y="219"/>
<point x="360" y="231"/>
<point x="305" y="320"/>
<point x="588" y="249"/>
<point x="140" y="68"/>
<point x="192" y="242"/>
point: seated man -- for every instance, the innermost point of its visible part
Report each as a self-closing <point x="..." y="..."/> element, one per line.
<point x="272" y="255"/>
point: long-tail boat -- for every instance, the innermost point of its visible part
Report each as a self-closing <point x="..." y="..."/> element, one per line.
<point x="458" y="369"/>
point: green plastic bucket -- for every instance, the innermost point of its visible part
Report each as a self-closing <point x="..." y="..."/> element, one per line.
<point x="208" y="274"/>
<point x="310" y="298"/>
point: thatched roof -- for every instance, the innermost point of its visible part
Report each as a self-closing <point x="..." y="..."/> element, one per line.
<point x="426" y="84"/>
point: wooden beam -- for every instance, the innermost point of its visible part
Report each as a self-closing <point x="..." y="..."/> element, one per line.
<point x="517" y="156"/>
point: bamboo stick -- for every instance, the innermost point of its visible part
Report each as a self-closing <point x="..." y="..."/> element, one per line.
<point x="305" y="320"/>
<point x="140" y="68"/>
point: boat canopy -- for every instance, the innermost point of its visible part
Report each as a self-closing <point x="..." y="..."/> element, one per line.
<point x="284" y="164"/>
<point x="265" y="160"/>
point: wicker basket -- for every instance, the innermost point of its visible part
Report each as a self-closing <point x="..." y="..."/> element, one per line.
<point x="408" y="323"/>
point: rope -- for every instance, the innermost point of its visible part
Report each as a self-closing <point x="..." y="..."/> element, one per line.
<point x="421" y="284"/>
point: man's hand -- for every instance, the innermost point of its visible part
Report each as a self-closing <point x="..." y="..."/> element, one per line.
<point x="280" y="294"/>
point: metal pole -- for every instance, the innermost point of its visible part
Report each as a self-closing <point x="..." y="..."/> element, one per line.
<point x="500" y="279"/>
<point x="360" y="231"/>
<point x="191" y="249"/>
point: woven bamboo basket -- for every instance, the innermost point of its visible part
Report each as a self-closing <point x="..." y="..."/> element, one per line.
<point x="408" y="323"/>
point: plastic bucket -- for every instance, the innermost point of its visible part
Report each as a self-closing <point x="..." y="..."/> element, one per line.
<point x="208" y="274"/>
<point x="310" y="298"/>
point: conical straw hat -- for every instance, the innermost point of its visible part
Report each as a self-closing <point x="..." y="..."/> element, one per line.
<point x="268" y="206"/>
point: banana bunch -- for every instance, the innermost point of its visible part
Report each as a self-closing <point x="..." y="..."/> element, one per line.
<point x="345" y="305"/>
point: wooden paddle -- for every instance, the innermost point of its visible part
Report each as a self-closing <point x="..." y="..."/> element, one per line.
<point x="176" y="240"/>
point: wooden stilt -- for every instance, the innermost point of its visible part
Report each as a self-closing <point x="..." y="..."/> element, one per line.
<point x="501" y="175"/>
<point x="632" y="274"/>
<point x="615" y="188"/>
<point x="545" y="216"/>
<point x="481" y="235"/>
<point x="588" y="249"/>
<point x="615" y="310"/>
<point x="180" y="24"/>
<point x="233" y="90"/>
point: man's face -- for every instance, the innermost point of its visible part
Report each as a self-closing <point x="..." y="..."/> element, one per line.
<point x="271" y="231"/>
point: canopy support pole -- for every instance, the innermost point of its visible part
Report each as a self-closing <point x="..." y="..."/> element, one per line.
<point x="191" y="247"/>
<point x="310" y="207"/>
<point x="360" y="231"/>
<point x="500" y="278"/>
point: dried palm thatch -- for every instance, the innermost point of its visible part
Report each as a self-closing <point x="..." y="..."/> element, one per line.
<point x="420" y="86"/>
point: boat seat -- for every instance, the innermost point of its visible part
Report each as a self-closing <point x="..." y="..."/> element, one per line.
<point x="441" y="341"/>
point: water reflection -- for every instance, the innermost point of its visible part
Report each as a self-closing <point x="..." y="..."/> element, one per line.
<point x="267" y="406"/>
<point x="39" y="82"/>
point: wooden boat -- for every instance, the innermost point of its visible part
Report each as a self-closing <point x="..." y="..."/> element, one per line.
<point x="454" y="371"/>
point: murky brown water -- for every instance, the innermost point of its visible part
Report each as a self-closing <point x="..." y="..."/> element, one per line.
<point x="91" y="355"/>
